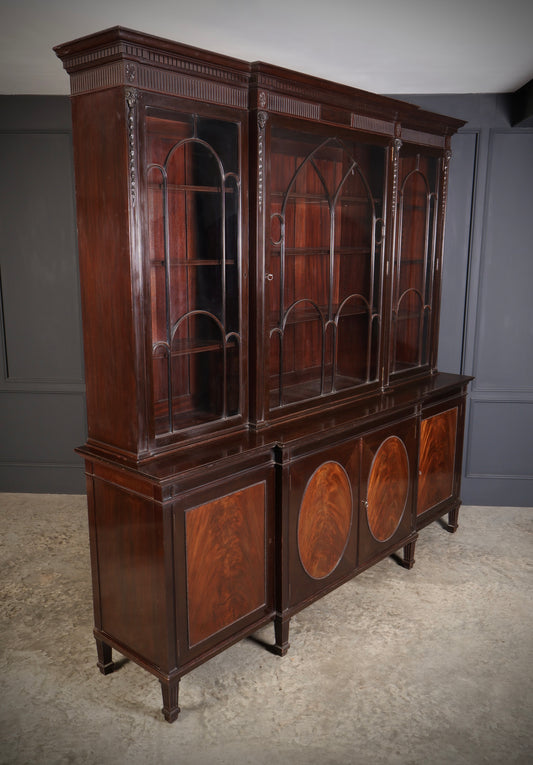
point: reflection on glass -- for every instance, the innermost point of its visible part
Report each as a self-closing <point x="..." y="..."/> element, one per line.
<point x="194" y="206"/>
<point x="324" y="301"/>
<point x="412" y="300"/>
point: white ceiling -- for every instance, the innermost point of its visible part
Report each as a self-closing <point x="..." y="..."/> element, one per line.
<point x="386" y="46"/>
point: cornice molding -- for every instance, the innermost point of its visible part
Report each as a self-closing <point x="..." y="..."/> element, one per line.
<point x="121" y="56"/>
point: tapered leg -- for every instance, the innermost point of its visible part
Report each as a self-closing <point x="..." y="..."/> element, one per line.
<point x="170" y="690"/>
<point x="281" y="631"/>
<point x="105" y="663"/>
<point x="409" y="555"/>
<point x="453" y="520"/>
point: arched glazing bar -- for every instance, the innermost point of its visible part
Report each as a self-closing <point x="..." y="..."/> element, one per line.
<point x="331" y="313"/>
<point x="223" y="181"/>
<point x="424" y="286"/>
<point x="280" y="333"/>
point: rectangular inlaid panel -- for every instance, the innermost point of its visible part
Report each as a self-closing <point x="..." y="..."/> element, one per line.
<point x="225" y="561"/>
<point x="437" y="459"/>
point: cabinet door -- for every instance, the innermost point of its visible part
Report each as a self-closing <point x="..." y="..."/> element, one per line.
<point x="413" y="298"/>
<point x="324" y="224"/>
<point x="192" y="207"/>
<point x="440" y="455"/>
<point x="223" y="547"/>
<point x="388" y="467"/>
<point x="323" y="501"/>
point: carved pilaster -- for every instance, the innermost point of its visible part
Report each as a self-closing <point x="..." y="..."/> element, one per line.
<point x="262" y="118"/>
<point x="131" y="101"/>
<point x="445" y="168"/>
<point x="397" y="145"/>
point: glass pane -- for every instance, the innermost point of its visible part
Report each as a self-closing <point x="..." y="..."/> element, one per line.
<point x="358" y="238"/>
<point x="194" y="207"/>
<point x="355" y="330"/>
<point x="412" y="302"/>
<point x="324" y="297"/>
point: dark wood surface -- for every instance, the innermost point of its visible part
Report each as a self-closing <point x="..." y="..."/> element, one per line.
<point x="388" y="486"/>
<point x="226" y="566"/>
<point x="324" y="520"/>
<point x="129" y="548"/>
<point x="436" y="465"/>
<point x="112" y="364"/>
<point x="260" y="273"/>
<point x="388" y="471"/>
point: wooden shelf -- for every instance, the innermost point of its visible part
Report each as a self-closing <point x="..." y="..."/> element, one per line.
<point x="186" y="419"/>
<point x="421" y="207"/>
<point x="320" y="198"/>
<point x="188" y="347"/>
<point x="193" y="262"/>
<point x="292" y="393"/>
<point x="190" y="187"/>
<point x="309" y="314"/>
<point x="410" y="315"/>
<point x="276" y="249"/>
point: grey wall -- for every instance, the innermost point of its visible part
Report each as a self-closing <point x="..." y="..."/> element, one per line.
<point x="486" y="324"/>
<point x="487" y="314"/>
<point x="42" y="406"/>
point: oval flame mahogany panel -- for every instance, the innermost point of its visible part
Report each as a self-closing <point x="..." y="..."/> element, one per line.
<point x="388" y="486"/>
<point x="324" y="520"/>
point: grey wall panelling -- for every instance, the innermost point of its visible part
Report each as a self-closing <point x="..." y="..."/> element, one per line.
<point x="492" y="254"/>
<point x="42" y="407"/>
<point x="486" y="323"/>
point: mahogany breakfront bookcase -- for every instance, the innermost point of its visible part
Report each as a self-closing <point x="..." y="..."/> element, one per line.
<point x="260" y="261"/>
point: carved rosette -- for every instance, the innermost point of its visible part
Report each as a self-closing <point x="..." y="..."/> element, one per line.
<point x="130" y="72"/>
<point x="262" y="118"/>
<point x="131" y="101"/>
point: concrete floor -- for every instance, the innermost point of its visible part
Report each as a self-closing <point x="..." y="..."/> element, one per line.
<point x="429" y="666"/>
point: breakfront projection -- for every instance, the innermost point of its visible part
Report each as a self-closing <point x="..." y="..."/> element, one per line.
<point x="260" y="260"/>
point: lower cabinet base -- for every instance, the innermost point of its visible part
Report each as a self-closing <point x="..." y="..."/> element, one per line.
<point x="169" y="687"/>
<point x="453" y="520"/>
<point x="408" y="560"/>
<point x="105" y="663"/>
<point x="282" y="621"/>
<point x="170" y="684"/>
<point x="170" y="691"/>
<point x="438" y="514"/>
<point x="281" y="633"/>
<point x="190" y="557"/>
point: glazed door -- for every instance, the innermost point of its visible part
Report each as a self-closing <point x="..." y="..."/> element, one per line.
<point x="387" y="472"/>
<point x="324" y="223"/>
<point x="413" y="287"/>
<point x="192" y="183"/>
<point x="323" y="501"/>
<point x="439" y="460"/>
